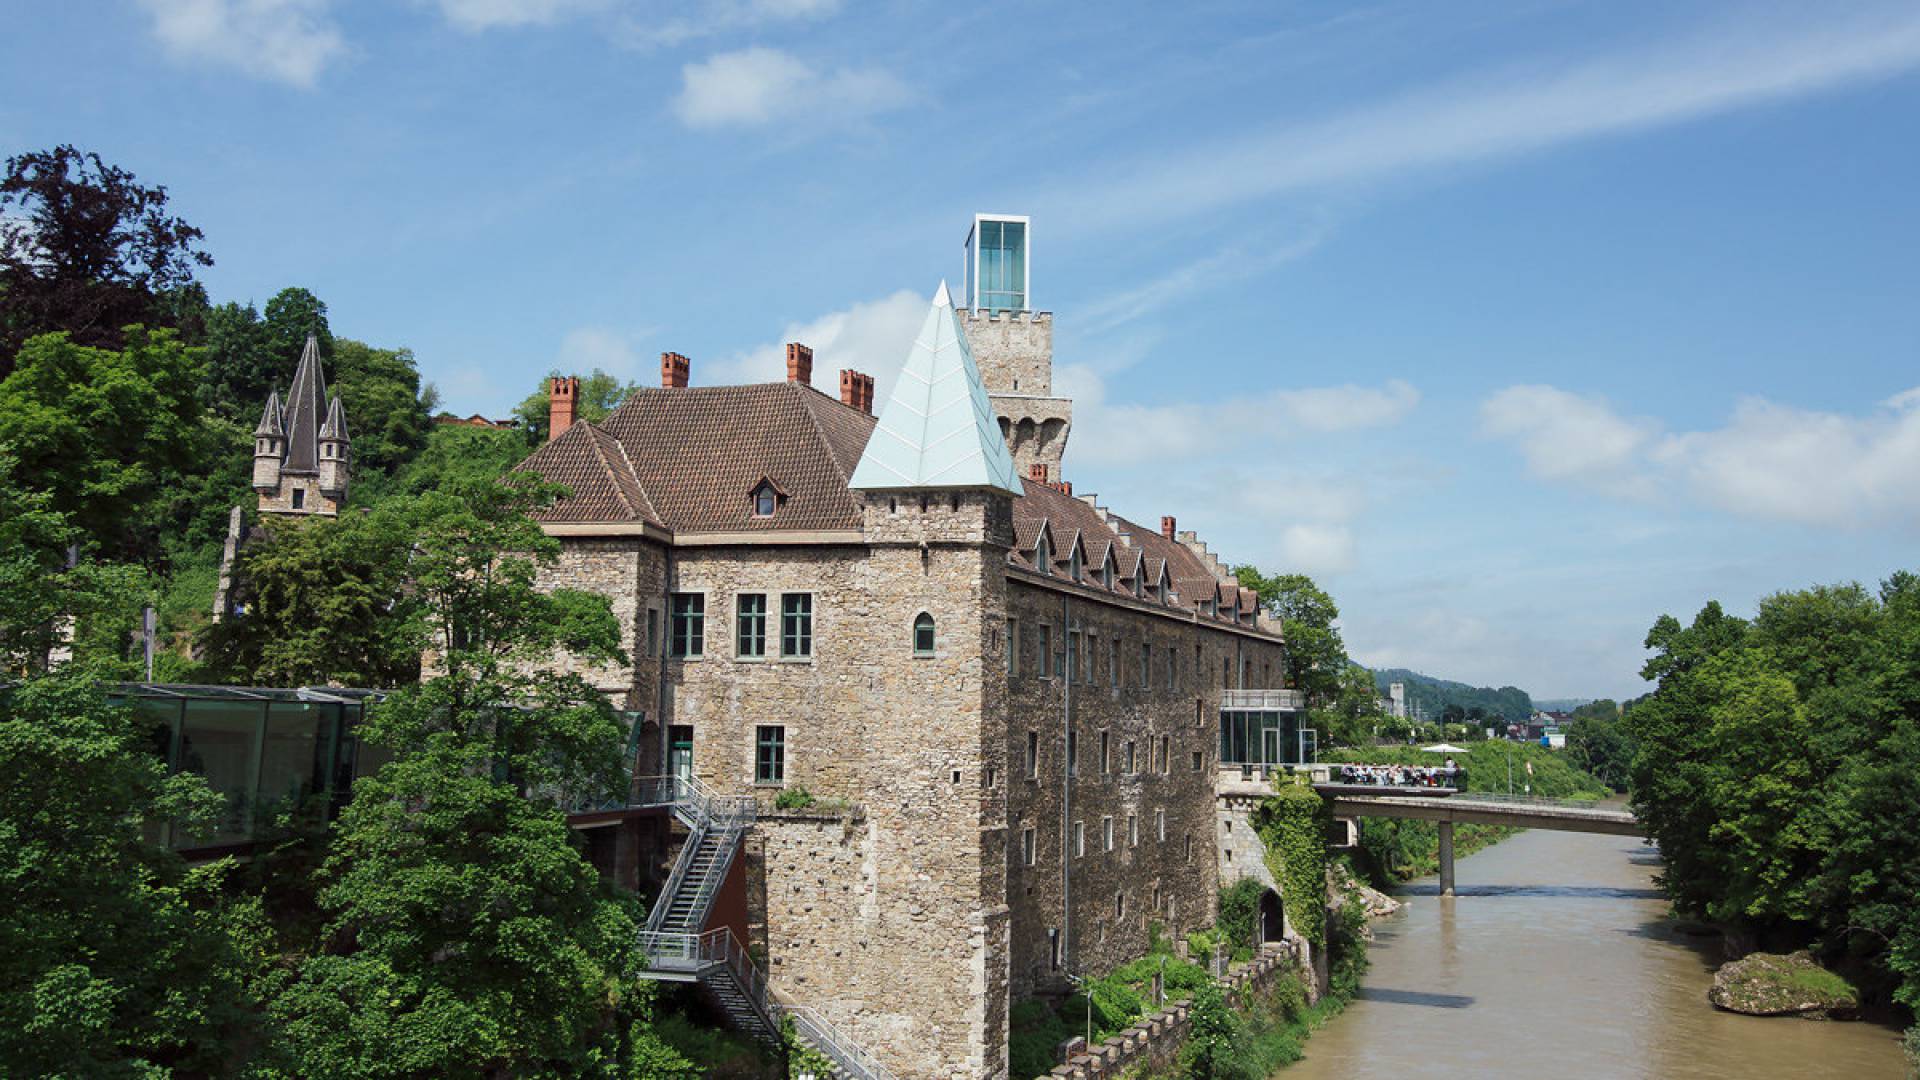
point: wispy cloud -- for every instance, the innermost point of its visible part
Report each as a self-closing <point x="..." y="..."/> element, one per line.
<point x="289" y="41"/>
<point x="1725" y="67"/>
<point x="872" y="336"/>
<point x="1234" y="263"/>
<point x="1770" y="461"/>
<point x="758" y="86"/>
<point x="712" y="17"/>
<point x="478" y="15"/>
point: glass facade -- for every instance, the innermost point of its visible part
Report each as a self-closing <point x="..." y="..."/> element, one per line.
<point x="270" y="754"/>
<point x="999" y="265"/>
<point x="1260" y="737"/>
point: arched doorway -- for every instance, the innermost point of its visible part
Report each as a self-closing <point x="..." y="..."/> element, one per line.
<point x="1273" y="917"/>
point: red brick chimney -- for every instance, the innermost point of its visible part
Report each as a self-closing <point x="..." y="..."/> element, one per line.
<point x="1166" y="527"/>
<point x="674" y="370"/>
<point x="856" y="390"/>
<point x="562" y="397"/>
<point x="1037" y="472"/>
<point x="799" y="364"/>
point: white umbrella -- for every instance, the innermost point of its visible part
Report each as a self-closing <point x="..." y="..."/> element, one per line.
<point x="1444" y="748"/>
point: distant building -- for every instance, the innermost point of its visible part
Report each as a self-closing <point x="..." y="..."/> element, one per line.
<point x="301" y="452"/>
<point x="476" y="420"/>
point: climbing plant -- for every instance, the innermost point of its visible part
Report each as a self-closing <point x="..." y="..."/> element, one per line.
<point x="1293" y="824"/>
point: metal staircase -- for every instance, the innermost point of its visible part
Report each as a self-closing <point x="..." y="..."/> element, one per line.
<point x="674" y="948"/>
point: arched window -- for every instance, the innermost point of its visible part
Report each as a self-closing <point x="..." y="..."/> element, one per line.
<point x="923" y="634"/>
<point x="1042" y="556"/>
<point x="763" y="501"/>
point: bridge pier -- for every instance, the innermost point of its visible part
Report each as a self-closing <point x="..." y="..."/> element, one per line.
<point x="1446" y="858"/>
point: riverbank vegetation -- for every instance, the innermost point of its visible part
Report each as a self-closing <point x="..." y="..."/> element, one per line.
<point x="1393" y="850"/>
<point x="1775" y="765"/>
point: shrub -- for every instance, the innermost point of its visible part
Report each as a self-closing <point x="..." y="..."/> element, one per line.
<point x="1239" y="905"/>
<point x="796" y="797"/>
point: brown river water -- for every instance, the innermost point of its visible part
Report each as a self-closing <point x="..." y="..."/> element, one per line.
<point x="1553" y="963"/>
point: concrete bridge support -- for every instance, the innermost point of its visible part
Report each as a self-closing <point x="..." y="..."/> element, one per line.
<point x="1446" y="858"/>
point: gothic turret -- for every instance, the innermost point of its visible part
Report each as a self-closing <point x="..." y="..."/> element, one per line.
<point x="301" y="452"/>
<point x="334" y="448"/>
<point x="269" y="447"/>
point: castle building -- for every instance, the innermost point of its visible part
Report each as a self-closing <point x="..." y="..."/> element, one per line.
<point x="301" y="451"/>
<point x="1019" y="698"/>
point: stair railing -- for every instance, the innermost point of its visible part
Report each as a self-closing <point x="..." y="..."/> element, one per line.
<point x="831" y="1041"/>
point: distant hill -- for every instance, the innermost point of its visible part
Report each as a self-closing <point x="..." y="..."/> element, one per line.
<point x="1560" y="704"/>
<point x="1428" y="696"/>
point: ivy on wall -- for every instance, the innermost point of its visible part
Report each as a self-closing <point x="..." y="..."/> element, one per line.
<point x="1293" y="824"/>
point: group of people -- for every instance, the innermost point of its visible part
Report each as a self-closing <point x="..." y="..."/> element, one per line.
<point x="1446" y="776"/>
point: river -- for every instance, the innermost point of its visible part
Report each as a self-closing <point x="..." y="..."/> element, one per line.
<point x="1553" y="963"/>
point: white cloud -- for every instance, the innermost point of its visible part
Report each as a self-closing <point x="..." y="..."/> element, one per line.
<point x="1566" y="436"/>
<point x="872" y="337"/>
<point x="759" y="85"/>
<point x="612" y="351"/>
<point x="1770" y="461"/>
<point x="477" y="15"/>
<point x="1123" y="433"/>
<point x="711" y="17"/>
<point x="1224" y="267"/>
<point x="290" y="41"/>
<point x="1725" y="67"/>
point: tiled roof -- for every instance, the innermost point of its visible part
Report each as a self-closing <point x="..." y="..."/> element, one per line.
<point x="305" y="401"/>
<point x="692" y="457"/>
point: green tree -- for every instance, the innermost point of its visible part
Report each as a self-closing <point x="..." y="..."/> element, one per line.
<point x="1316" y="656"/>
<point x="241" y="367"/>
<point x="290" y="316"/>
<point x="1597" y="743"/>
<point x="112" y="434"/>
<point x="1212" y="1050"/>
<point x="388" y="412"/>
<point x="87" y="249"/>
<point x="323" y="601"/>
<point x="599" y="394"/>
<point x="467" y="934"/>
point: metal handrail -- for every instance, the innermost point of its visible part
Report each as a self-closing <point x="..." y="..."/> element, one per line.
<point x="1545" y="801"/>
<point x="829" y="1040"/>
<point x="703" y="812"/>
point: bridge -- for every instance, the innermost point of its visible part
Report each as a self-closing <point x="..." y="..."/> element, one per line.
<point x="1448" y="807"/>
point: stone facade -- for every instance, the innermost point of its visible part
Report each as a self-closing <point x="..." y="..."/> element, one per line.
<point x="1015" y="352"/>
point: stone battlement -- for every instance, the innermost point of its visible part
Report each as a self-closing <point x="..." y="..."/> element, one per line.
<point x="977" y="315"/>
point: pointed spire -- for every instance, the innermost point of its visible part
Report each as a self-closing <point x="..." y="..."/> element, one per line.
<point x="335" y="428"/>
<point x="304" y="401"/>
<point x="937" y="428"/>
<point x="270" y="420"/>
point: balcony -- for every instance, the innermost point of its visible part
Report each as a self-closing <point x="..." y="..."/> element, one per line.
<point x="1264" y="700"/>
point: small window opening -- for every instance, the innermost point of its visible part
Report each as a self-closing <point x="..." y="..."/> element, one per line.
<point x="923" y="634"/>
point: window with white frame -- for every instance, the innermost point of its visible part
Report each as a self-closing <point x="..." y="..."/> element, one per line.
<point x="1106" y="833"/>
<point x="1079" y="839"/>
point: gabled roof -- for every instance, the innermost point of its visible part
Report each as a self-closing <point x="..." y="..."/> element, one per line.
<point x="336" y="425"/>
<point x="595" y="469"/>
<point x="937" y="429"/>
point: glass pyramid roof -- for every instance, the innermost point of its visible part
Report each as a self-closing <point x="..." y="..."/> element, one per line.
<point x="937" y="429"/>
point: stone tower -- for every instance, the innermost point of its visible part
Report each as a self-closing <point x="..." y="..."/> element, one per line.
<point x="301" y="453"/>
<point x="1013" y="345"/>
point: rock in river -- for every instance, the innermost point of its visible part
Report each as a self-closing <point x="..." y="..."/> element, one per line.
<point x="1775" y="984"/>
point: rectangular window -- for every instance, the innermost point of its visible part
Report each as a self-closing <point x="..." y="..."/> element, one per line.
<point x="796" y="624"/>
<point x="1173" y="668"/>
<point x="1133" y="830"/>
<point x="1013" y="647"/>
<point x="1146" y="666"/>
<point x="1105" y="757"/>
<point x="750" y="618"/>
<point x="1079" y="839"/>
<point x="1189" y="847"/>
<point x="1119" y="905"/>
<point x="1106" y="833"/>
<point x="1053" y="944"/>
<point x="689" y="624"/>
<point x="1026" y="846"/>
<point x="1129" y="758"/>
<point x="1046" y="651"/>
<point x="653" y="631"/>
<point x="1196" y="761"/>
<point x="770" y="754"/>
<point x="1072" y="669"/>
<point x="1113" y="662"/>
<point x="1166" y="754"/>
<point x="1086" y="662"/>
<point x="1073" y="752"/>
<point x="1160" y="825"/>
<point x="1033" y="755"/>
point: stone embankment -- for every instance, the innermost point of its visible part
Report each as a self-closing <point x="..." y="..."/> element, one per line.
<point x="1773" y="984"/>
<point x="1155" y="1040"/>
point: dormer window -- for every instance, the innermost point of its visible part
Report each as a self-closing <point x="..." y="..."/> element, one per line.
<point x="1042" y="557"/>
<point x="1073" y="564"/>
<point x="767" y="498"/>
<point x="1106" y="573"/>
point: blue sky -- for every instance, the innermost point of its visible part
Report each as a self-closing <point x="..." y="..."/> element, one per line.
<point x="1515" y="324"/>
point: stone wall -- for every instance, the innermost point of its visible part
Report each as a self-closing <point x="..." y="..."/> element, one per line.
<point x="312" y="499"/>
<point x="1242" y="853"/>
<point x="1155" y="1040"/>
<point x="1013" y="350"/>
<point x="1162" y="866"/>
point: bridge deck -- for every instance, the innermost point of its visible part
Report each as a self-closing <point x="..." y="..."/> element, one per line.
<point x="1431" y="804"/>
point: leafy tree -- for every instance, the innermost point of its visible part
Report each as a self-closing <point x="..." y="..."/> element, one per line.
<point x="388" y="415"/>
<point x="86" y="249"/>
<point x="290" y="316"/>
<point x="467" y="935"/>
<point x="1316" y="656"/>
<point x="47" y="605"/>
<point x="457" y="455"/>
<point x="324" y="601"/>
<point x="1597" y="743"/>
<point x="241" y="366"/>
<point x="599" y="394"/>
<point x="111" y="434"/>
<point x="1212" y="1050"/>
